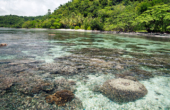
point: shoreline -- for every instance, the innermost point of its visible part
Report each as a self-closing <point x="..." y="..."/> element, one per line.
<point x="146" y="34"/>
<point x="159" y="35"/>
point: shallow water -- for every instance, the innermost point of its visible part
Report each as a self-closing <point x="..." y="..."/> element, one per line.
<point x="35" y="57"/>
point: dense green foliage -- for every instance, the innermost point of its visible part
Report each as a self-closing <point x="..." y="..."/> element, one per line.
<point x="109" y="15"/>
<point x="15" y="21"/>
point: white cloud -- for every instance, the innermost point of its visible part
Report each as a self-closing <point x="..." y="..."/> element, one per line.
<point x="29" y="7"/>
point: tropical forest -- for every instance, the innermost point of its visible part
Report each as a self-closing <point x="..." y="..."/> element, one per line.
<point x="104" y="15"/>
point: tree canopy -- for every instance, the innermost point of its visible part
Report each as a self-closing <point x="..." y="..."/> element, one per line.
<point x="110" y="15"/>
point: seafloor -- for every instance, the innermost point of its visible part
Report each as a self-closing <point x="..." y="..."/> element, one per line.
<point x="27" y="79"/>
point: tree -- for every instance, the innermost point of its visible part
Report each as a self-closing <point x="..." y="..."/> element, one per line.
<point x="156" y="18"/>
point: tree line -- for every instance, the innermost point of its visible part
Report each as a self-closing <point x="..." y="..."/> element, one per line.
<point x="108" y="15"/>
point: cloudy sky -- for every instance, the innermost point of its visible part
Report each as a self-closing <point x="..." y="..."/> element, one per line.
<point x="28" y="7"/>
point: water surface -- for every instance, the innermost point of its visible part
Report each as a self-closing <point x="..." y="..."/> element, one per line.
<point x="35" y="57"/>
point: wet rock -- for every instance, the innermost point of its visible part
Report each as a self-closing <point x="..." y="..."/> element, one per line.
<point x="123" y="90"/>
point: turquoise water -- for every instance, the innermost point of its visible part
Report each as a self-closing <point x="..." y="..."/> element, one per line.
<point x="35" y="57"/>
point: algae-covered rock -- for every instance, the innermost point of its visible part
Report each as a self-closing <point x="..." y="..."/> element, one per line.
<point x="123" y="90"/>
<point x="60" y="97"/>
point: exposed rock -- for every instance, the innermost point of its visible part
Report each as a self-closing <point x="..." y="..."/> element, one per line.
<point x="123" y="90"/>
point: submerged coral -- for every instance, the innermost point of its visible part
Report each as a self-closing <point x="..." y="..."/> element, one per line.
<point x="60" y="97"/>
<point x="123" y="90"/>
<point x="137" y="73"/>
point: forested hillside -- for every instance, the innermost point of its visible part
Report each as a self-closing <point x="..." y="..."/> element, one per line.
<point x="109" y="15"/>
<point x="16" y="21"/>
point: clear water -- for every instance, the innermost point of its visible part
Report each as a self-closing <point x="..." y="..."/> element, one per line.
<point x="35" y="56"/>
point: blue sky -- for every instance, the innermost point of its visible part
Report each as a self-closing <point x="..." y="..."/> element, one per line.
<point x="28" y="7"/>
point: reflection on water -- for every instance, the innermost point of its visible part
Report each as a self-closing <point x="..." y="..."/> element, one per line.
<point x="38" y="65"/>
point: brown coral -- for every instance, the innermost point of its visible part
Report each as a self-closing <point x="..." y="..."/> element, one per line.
<point x="3" y="44"/>
<point x="60" y="97"/>
<point x="123" y="90"/>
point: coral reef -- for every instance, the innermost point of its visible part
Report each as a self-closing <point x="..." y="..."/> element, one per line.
<point x="123" y="90"/>
<point x="135" y="72"/>
<point x="60" y="68"/>
<point x="31" y="86"/>
<point x="63" y="83"/>
<point x="6" y="83"/>
<point x="60" y="97"/>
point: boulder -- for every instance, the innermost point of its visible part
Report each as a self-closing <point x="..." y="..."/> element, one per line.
<point x="123" y="90"/>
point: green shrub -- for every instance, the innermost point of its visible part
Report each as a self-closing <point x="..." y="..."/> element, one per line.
<point x="96" y="24"/>
<point x="52" y="27"/>
<point x="77" y="27"/>
<point x="71" y="27"/>
<point x="89" y="28"/>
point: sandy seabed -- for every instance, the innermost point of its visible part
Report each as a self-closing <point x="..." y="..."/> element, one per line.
<point x="158" y="97"/>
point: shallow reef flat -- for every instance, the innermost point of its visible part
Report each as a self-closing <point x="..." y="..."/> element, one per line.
<point x="59" y="70"/>
<point x="83" y="73"/>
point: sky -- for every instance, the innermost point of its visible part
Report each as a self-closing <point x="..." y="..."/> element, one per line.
<point x="29" y="7"/>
